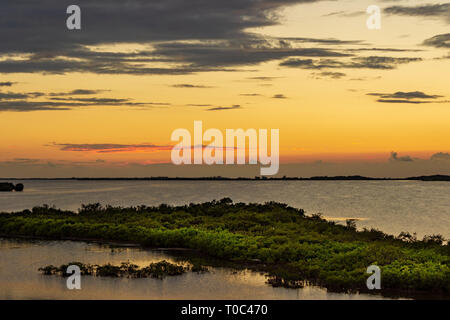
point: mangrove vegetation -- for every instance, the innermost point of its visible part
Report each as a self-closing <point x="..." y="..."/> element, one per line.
<point x="282" y="241"/>
<point x="158" y="270"/>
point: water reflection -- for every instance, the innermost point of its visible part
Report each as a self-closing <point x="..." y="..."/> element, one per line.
<point x="19" y="278"/>
<point x="391" y="206"/>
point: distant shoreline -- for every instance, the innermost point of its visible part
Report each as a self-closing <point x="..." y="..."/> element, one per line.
<point x="219" y="178"/>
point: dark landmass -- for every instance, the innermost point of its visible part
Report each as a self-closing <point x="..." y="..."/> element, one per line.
<point x="8" y="187"/>
<point x="431" y="178"/>
<point x="437" y="177"/>
<point x="158" y="270"/>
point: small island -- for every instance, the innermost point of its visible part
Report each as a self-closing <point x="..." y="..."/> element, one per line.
<point x="293" y="249"/>
<point x="7" y="187"/>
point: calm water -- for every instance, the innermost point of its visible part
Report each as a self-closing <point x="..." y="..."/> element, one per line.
<point x="19" y="278"/>
<point x="391" y="206"/>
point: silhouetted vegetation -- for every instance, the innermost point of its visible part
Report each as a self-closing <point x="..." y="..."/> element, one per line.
<point x="6" y="186"/>
<point x="278" y="239"/>
<point x="256" y="178"/>
<point x="158" y="270"/>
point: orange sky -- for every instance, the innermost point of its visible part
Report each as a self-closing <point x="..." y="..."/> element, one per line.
<point x="324" y="114"/>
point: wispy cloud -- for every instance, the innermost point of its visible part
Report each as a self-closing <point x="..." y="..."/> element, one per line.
<point x="6" y="84"/>
<point x="406" y="95"/>
<point x="203" y="36"/>
<point x="263" y="78"/>
<point x="441" y="156"/>
<point x="345" y="14"/>
<point x="370" y="62"/>
<point x="32" y="101"/>
<point x="190" y="86"/>
<point x="77" y="92"/>
<point x="17" y="96"/>
<point x="199" y="105"/>
<point x="327" y="74"/>
<point x="412" y="97"/>
<point x="394" y="157"/>
<point x="236" y="106"/>
<point x="438" y="41"/>
<point x="111" y="147"/>
<point x="279" y="96"/>
<point x="441" y="11"/>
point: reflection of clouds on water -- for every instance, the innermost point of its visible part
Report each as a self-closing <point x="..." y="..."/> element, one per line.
<point x="20" y="278"/>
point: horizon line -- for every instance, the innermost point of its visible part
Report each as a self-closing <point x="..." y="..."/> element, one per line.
<point x="436" y="177"/>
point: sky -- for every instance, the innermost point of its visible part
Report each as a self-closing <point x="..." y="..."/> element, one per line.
<point x="104" y="100"/>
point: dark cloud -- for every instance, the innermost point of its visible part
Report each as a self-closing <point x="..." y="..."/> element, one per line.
<point x="279" y="96"/>
<point x="331" y="41"/>
<point x="326" y="74"/>
<point x="32" y="26"/>
<point x="382" y="50"/>
<point x="235" y="53"/>
<point x="394" y="157"/>
<point x="110" y="147"/>
<point x="402" y="101"/>
<point x="21" y="103"/>
<point x="17" y="96"/>
<point x="22" y="161"/>
<point x="380" y="62"/>
<point x="301" y="63"/>
<point x="194" y="36"/>
<point x="199" y="105"/>
<point x="407" y="97"/>
<point x="6" y="84"/>
<point x="427" y="10"/>
<point x="26" y="106"/>
<point x="236" y="106"/>
<point x="93" y="100"/>
<point x="441" y="156"/>
<point x="191" y="86"/>
<point x="94" y="65"/>
<point x="345" y="14"/>
<point x="438" y="41"/>
<point x="262" y="78"/>
<point x="26" y="101"/>
<point x="77" y="92"/>
<point x="110" y="101"/>
<point x="370" y="62"/>
<point x="251" y="94"/>
<point x="12" y="96"/>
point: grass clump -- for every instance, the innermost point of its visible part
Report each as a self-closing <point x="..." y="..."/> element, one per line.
<point x="158" y="270"/>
